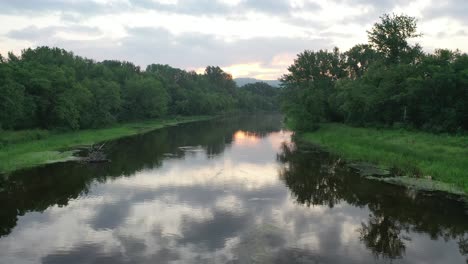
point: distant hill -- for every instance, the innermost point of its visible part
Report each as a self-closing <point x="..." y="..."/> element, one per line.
<point x="243" y="81"/>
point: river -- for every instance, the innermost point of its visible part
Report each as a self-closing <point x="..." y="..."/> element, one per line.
<point x="230" y="190"/>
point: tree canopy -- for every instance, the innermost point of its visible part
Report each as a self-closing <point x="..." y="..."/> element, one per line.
<point x="51" y="88"/>
<point x="390" y="36"/>
<point x="386" y="82"/>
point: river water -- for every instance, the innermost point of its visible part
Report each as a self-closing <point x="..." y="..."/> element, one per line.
<point x="233" y="190"/>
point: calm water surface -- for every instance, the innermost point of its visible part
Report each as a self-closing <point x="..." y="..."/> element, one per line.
<point x="236" y="190"/>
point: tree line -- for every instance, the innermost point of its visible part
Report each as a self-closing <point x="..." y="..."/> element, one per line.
<point x="387" y="82"/>
<point x="51" y="88"/>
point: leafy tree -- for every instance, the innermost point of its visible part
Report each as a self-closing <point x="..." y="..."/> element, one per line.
<point x="259" y="96"/>
<point x="11" y="104"/>
<point x="52" y="88"/>
<point x="144" y="98"/>
<point x="437" y="94"/>
<point x="390" y="36"/>
<point x="358" y="60"/>
<point x="106" y="102"/>
<point x="384" y="83"/>
<point x="220" y="80"/>
<point x="309" y="83"/>
<point x="122" y="71"/>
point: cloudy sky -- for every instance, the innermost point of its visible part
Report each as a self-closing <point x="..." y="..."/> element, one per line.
<point x="249" y="38"/>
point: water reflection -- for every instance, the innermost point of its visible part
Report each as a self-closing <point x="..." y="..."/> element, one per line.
<point x="209" y="192"/>
<point x="246" y="138"/>
<point x="384" y="236"/>
<point x="317" y="178"/>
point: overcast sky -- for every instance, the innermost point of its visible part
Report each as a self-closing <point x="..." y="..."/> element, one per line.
<point x="248" y="38"/>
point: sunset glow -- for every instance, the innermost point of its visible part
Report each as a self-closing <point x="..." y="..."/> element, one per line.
<point x="255" y="70"/>
<point x="245" y="138"/>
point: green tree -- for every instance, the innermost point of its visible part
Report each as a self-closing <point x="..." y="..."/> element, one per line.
<point x="11" y="104"/>
<point x="309" y="84"/>
<point x="220" y="80"/>
<point x="144" y="98"/>
<point x="106" y="102"/>
<point x="259" y="96"/>
<point x="358" y="60"/>
<point x="390" y="36"/>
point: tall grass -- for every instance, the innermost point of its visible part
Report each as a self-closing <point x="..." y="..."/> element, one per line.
<point x="28" y="148"/>
<point x="416" y="154"/>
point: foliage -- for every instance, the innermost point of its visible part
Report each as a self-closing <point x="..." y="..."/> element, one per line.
<point x="390" y="36"/>
<point x="50" y="88"/>
<point x="259" y="96"/>
<point x="309" y="84"/>
<point x="11" y="103"/>
<point x="144" y="98"/>
<point x="387" y="83"/>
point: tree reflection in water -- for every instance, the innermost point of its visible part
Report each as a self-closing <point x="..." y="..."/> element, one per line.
<point x="36" y="189"/>
<point x="317" y="178"/>
<point x="383" y="236"/>
<point x="463" y="245"/>
<point x="389" y="221"/>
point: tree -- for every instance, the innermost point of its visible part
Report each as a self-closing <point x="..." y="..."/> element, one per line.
<point x="358" y="59"/>
<point x="309" y="84"/>
<point x="72" y="108"/>
<point x="11" y="104"/>
<point x="220" y="80"/>
<point x="144" y="98"/>
<point x="387" y="82"/>
<point x="390" y="36"/>
<point x="52" y="88"/>
<point x="106" y="102"/>
<point x="259" y="96"/>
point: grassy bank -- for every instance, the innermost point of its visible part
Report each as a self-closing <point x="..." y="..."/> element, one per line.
<point x="23" y="149"/>
<point x="414" y="154"/>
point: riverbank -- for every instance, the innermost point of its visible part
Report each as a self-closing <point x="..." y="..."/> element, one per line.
<point x="428" y="161"/>
<point x="29" y="148"/>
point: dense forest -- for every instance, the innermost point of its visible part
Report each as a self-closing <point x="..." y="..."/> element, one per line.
<point x="385" y="83"/>
<point x="51" y="88"/>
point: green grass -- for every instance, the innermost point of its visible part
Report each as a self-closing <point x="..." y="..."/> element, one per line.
<point x="29" y="148"/>
<point x="414" y="154"/>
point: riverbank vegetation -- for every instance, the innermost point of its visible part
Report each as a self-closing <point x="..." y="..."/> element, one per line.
<point x="46" y="94"/>
<point x="28" y="148"/>
<point x="385" y="85"/>
<point x="420" y="155"/>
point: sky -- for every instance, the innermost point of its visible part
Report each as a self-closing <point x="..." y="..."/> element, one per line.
<point x="247" y="38"/>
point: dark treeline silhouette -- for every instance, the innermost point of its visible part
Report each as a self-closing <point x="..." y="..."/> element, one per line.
<point x="387" y="82"/>
<point x="51" y="88"/>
